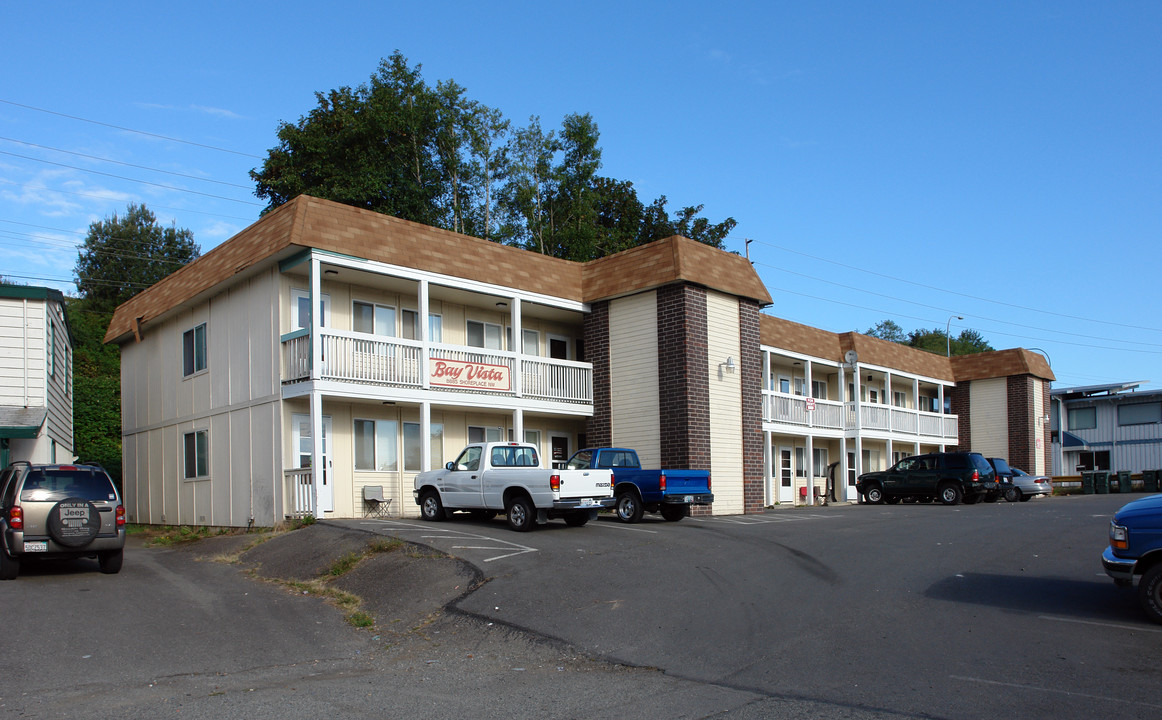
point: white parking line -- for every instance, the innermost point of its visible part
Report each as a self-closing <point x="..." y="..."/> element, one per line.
<point x="1131" y="628"/>
<point x="1071" y="693"/>
<point x="623" y="526"/>
<point x="759" y="519"/>
<point x="431" y="533"/>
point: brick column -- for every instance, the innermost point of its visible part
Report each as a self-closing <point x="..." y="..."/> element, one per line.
<point x="1022" y="416"/>
<point x="961" y="408"/>
<point x="750" y="367"/>
<point x="599" y="428"/>
<point x="683" y="378"/>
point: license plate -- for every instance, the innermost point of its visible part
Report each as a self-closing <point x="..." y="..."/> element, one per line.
<point x="36" y="546"/>
<point x="689" y="499"/>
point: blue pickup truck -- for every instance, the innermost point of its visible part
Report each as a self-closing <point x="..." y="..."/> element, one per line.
<point x="1135" y="549"/>
<point x="670" y="492"/>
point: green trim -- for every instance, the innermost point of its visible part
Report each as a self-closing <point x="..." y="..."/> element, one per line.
<point x="22" y="433"/>
<point x="303" y="332"/>
<point x="30" y="292"/>
<point x="297" y="259"/>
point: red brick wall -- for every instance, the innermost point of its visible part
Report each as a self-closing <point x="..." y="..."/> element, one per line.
<point x="1022" y="443"/>
<point x="599" y="428"/>
<point x="960" y="407"/>
<point x="750" y="367"/>
<point x="683" y="378"/>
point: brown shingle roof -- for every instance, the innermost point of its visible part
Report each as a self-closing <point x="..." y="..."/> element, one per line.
<point x="788" y="335"/>
<point x="308" y="222"/>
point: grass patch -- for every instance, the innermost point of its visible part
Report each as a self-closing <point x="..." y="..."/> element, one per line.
<point x="360" y="619"/>
<point x="170" y="535"/>
<point x="344" y="564"/>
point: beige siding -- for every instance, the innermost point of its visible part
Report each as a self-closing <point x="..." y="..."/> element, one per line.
<point x="633" y="373"/>
<point x="1039" y="439"/>
<point x="235" y="400"/>
<point x="989" y="417"/>
<point x="22" y="360"/>
<point x="722" y="342"/>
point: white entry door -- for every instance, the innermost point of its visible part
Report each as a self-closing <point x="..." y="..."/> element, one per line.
<point x="786" y="473"/>
<point x="302" y="444"/>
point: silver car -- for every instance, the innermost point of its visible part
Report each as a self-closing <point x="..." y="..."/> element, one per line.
<point x="1026" y="486"/>
<point x="59" y="511"/>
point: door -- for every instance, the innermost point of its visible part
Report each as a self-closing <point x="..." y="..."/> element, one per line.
<point x="302" y="443"/>
<point x="463" y="485"/>
<point x="559" y="447"/>
<point x="786" y="473"/>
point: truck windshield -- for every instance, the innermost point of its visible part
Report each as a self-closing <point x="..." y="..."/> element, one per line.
<point x="581" y="460"/>
<point x="513" y="457"/>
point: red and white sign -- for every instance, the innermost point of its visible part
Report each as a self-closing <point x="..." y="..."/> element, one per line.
<point x="810" y="404"/>
<point x="469" y="375"/>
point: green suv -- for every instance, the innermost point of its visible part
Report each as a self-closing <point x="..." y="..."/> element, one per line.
<point x="59" y="511"/>
<point x="949" y="477"/>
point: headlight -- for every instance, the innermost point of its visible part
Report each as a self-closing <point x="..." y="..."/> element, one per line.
<point x="1119" y="537"/>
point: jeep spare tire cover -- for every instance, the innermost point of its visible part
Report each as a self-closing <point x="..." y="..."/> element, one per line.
<point x="74" y="522"/>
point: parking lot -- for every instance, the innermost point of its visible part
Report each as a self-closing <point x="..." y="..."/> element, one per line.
<point x="841" y="611"/>
<point x="964" y="611"/>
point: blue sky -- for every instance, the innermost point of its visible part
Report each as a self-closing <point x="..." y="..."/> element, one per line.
<point x="906" y="160"/>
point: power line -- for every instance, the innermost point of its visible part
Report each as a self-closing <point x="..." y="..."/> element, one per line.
<point x="106" y="198"/>
<point x="125" y="129"/>
<point x="953" y="292"/>
<point x="118" y="162"/>
<point x="122" y="177"/>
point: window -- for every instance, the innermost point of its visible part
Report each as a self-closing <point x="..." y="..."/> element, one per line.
<point x="784" y="384"/>
<point x="513" y="456"/>
<point x="481" y="434"/>
<point x="1139" y="413"/>
<point x="301" y="309"/>
<point x="484" y="335"/>
<point x="410" y="326"/>
<point x="819" y="389"/>
<point x="899" y="399"/>
<point x="800" y="462"/>
<point x="373" y="319"/>
<point x="194" y="350"/>
<point x="376" y="445"/>
<point x="1082" y="418"/>
<point x="820" y="457"/>
<point x="469" y="459"/>
<point x="799" y="383"/>
<point x="929" y="403"/>
<point x="531" y="344"/>
<point x="412" y="450"/>
<point x="197" y="454"/>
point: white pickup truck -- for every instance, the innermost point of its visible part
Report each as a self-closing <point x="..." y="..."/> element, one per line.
<point x="489" y="478"/>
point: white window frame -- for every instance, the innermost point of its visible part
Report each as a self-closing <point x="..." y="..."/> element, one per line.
<point x="201" y="457"/>
<point x="301" y="323"/>
<point x="483" y="434"/>
<point x="485" y="327"/>
<point x="385" y="445"/>
<point x="193" y="367"/>
<point x="375" y="318"/>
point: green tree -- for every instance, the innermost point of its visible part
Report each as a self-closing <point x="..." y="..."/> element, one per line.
<point x="96" y="389"/>
<point x="888" y="330"/>
<point x="123" y="255"/>
<point x="934" y="341"/>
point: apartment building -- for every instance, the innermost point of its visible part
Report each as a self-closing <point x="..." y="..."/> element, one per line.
<point x="327" y="348"/>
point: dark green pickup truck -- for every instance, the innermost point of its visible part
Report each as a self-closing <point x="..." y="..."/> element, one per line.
<point x="949" y="477"/>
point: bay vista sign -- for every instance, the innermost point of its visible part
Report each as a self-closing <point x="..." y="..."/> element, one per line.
<point x="469" y="375"/>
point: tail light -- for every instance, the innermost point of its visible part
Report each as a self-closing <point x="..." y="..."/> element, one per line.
<point x="708" y="481"/>
<point x="120" y="515"/>
<point x="662" y="482"/>
<point x="975" y="475"/>
<point x="16" y="518"/>
<point x="555" y="482"/>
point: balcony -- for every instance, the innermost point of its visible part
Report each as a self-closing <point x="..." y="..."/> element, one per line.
<point x="805" y="412"/>
<point x="388" y="361"/>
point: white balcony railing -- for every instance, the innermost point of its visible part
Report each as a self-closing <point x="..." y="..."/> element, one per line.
<point x="805" y="412"/>
<point x="359" y="358"/>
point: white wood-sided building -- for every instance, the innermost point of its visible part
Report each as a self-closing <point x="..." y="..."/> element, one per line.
<point x="1114" y="426"/>
<point x="372" y="348"/>
<point x="36" y="376"/>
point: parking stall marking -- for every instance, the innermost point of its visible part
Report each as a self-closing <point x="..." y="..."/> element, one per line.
<point x="513" y="549"/>
<point x="758" y="519"/>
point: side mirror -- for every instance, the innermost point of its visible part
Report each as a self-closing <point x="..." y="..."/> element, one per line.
<point x="451" y="465"/>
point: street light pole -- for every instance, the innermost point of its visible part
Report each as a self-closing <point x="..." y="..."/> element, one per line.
<point x="947" y="337"/>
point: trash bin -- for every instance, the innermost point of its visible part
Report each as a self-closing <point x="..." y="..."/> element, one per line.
<point x="1101" y="482"/>
<point x="1122" y="482"/>
<point x="1150" y="481"/>
<point x="1087" y="482"/>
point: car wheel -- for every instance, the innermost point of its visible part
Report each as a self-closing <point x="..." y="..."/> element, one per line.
<point x="521" y="514"/>
<point x="431" y="508"/>
<point x="875" y="494"/>
<point x="577" y="518"/>
<point x="1013" y="494"/>
<point x="110" y="561"/>
<point x="1150" y="592"/>
<point x="9" y="566"/>
<point x="629" y="507"/>
<point x="950" y="494"/>
<point x="673" y="513"/>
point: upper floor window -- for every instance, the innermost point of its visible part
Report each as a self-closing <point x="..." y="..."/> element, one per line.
<point x="301" y="309"/>
<point x="1082" y="418"/>
<point x="373" y="319"/>
<point x="410" y="326"/>
<point x="194" y="350"/>
<point x="50" y="347"/>
<point x="484" y="335"/>
<point x="899" y="399"/>
<point x="819" y="389"/>
<point x="1139" y="413"/>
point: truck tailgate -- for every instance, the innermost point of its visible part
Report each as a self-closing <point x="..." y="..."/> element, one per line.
<point x="585" y="484"/>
